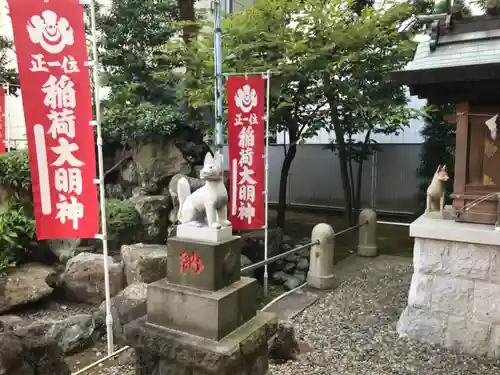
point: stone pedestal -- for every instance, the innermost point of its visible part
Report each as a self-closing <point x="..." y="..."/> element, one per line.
<point x="202" y="318"/>
<point x="455" y="289"/>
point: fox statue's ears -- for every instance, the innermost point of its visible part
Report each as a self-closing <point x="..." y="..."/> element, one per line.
<point x="211" y="160"/>
<point x="218" y="159"/>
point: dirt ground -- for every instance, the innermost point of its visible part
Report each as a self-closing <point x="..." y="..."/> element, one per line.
<point x="391" y="240"/>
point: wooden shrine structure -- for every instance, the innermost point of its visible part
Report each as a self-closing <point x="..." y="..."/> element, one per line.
<point x="460" y="64"/>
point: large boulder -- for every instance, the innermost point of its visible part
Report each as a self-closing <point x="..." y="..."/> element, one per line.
<point x="253" y="243"/>
<point x="128" y="305"/>
<point x="65" y="249"/>
<point x="144" y="263"/>
<point x="155" y="162"/>
<point x="154" y="214"/>
<point x="83" y="278"/>
<point x="23" y="285"/>
<point x="72" y="334"/>
<point x="10" y="322"/>
<point x="26" y="355"/>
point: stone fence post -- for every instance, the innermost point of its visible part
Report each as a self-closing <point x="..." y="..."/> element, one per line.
<point x="320" y="274"/>
<point x="367" y="235"/>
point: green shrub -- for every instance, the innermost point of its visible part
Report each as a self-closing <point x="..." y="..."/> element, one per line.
<point x="124" y="223"/>
<point x="15" y="176"/>
<point x="17" y="236"/>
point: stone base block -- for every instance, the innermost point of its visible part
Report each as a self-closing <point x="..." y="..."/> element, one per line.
<point x="211" y="315"/>
<point x="203" y="265"/>
<point x="455" y="288"/>
<point x="161" y="351"/>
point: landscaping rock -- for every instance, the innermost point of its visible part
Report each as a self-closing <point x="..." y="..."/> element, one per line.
<point x="253" y="244"/>
<point x="83" y="278"/>
<point x="144" y="263"/>
<point x="154" y="214"/>
<point x="10" y="322"/>
<point x="155" y="162"/>
<point x="289" y="267"/>
<point x="64" y="249"/>
<point x="287" y="240"/>
<point x="25" y="355"/>
<point x="279" y="277"/>
<point x="71" y="334"/>
<point x="127" y="358"/>
<point x="303" y="264"/>
<point x="283" y="345"/>
<point x="292" y="282"/>
<point x="22" y="285"/>
<point x="245" y="262"/>
<point x="301" y="275"/>
<point x="128" y="305"/>
<point x="279" y="265"/>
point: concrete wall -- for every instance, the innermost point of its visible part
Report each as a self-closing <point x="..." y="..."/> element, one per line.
<point x="314" y="178"/>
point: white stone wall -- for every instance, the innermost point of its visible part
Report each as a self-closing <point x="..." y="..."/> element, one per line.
<point x="454" y="298"/>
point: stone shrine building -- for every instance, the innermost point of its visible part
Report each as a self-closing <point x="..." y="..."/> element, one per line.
<point x="454" y="298"/>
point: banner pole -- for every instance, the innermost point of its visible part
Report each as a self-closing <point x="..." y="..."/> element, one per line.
<point x="102" y="198"/>
<point x="266" y="187"/>
<point x="218" y="136"/>
<point x="7" y="114"/>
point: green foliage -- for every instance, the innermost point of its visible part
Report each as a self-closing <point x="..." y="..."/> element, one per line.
<point x="330" y="68"/>
<point x="441" y="7"/>
<point x="141" y="104"/>
<point x="490" y="6"/>
<point x="17" y="236"/>
<point x="6" y="74"/>
<point x="123" y="223"/>
<point x="438" y="149"/>
<point x="363" y="100"/>
<point x="15" y="176"/>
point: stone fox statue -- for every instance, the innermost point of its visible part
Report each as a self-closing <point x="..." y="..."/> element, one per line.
<point x="208" y="204"/>
<point x="435" y="191"/>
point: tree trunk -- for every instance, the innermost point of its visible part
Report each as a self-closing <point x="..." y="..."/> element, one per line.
<point x="344" y="173"/>
<point x="187" y="13"/>
<point x="359" y="180"/>
<point x="341" y="147"/>
<point x="357" y="193"/>
<point x="285" y="169"/>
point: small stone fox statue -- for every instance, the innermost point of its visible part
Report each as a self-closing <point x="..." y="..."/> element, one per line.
<point x="435" y="191"/>
<point x="207" y="206"/>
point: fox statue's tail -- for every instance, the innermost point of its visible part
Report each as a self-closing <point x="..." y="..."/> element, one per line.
<point x="183" y="192"/>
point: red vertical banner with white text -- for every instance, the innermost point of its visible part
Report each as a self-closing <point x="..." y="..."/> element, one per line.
<point x="3" y="119"/>
<point x="245" y="102"/>
<point x="51" y="51"/>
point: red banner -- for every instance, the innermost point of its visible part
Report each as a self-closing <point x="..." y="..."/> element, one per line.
<point x="3" y="119"/>
<point x="246" y="151"/>
<point x="51" y="53"/>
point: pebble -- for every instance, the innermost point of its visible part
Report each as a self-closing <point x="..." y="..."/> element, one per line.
<point x="352" y="331"/>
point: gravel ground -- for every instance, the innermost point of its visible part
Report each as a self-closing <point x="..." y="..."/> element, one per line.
<point x="352" y="331"/>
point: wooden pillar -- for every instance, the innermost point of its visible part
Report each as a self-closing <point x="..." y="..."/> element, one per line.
<point x="461" y="154"/>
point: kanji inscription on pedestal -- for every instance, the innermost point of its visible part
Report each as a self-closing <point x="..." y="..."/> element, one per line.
<point x="190" y="263"/>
